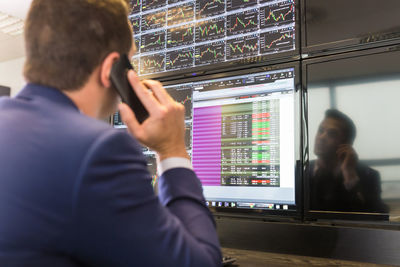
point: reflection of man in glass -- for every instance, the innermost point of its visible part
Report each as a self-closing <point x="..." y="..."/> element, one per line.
<point x="339" y="182"/>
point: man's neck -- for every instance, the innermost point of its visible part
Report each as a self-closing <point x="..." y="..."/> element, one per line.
<point x="327" y="163"/>
<point x="84" y="101"/>
<point x="87" y="98"/>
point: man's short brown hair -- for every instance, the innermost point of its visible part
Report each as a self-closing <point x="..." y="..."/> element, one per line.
<point x="66" y="40"/>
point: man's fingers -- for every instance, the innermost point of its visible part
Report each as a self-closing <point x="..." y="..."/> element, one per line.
<point x="345" y="148"/>
<point x="129" y="118"/>
<point x="341" y="153"/>
<point x="341" y="150"/>
<point x="159" y="91"/>
<point x="146" y="97"/>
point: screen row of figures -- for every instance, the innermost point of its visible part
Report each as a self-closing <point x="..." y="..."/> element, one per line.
<point x="231" y="24"/>
<point x="203" y="7"/>
<point x="216" y="52"/>
<point x="187" y="35"/>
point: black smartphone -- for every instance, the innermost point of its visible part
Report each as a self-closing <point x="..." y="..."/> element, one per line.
<point x="119" y="80"/>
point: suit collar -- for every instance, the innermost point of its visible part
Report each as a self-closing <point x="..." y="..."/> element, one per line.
<point x="32" y="91"/>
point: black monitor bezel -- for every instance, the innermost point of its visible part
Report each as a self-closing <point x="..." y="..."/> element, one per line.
<point x="251" y="62"/>
<point x="335" y="216"/>
<point x="5" y="91"/>
<point x="274" y="215"/>
<point x="372" y="40"/>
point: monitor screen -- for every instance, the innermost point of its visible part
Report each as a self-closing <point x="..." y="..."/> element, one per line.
<point x="241" y="138"/>
<point x="354" y="156"/>
<point x="343" y="24"/>
<point x="173" y="35"/>
<point x="5" y="91"/>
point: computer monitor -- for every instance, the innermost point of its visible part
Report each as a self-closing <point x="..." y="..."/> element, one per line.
<point x="242" y="135"/>
<point x="341" y="25"/>
<point x="5" y="91"/>
<point x="353" y="169"/>
<point x="175" y="37"/>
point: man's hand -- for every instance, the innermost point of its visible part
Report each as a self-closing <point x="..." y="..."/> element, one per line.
<point x="348" y="163"/>
<point x="164" y="130"/>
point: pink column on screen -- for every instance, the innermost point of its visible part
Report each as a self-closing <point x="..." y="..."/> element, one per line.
<point x="206" y="146"/>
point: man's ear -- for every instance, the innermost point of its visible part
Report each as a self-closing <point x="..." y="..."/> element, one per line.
<point x="105" y="68"/>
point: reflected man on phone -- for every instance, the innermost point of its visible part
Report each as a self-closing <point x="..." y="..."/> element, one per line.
<point x="338" y="180"/>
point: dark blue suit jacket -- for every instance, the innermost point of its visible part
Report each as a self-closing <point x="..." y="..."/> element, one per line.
<point x="76" y="192"/>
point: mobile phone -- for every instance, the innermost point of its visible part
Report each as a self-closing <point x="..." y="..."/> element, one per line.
<point x="119" y="80"/>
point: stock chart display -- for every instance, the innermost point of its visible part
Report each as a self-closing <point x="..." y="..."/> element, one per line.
<point x="179" y="59"/>
<point x="155" y="20"/>
<point x="152" y="41"/>
<point x="242" y="46"/>
<point x="242" y="22"/>
<point x="151" y="63"/>
<point x="180" y="36"/>
<point x="207" y="8"/>
<point x="180" y="14"/>
<point x="176" y="34"/>
<point x="183" y="94"/>
<point x="210" y="29"/>
<point x="210" y="53"/>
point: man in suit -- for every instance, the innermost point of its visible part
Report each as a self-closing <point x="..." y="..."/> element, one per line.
<point x="73" y="190"/>
<point x="338" y="180"/>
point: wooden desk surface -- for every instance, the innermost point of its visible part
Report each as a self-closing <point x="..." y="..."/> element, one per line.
<point x="250" y="258"/>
